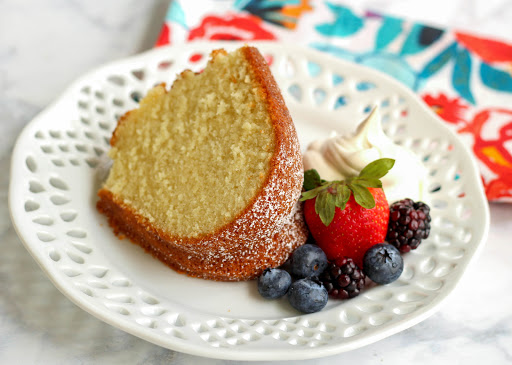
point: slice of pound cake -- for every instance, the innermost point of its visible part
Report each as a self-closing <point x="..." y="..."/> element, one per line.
<point x="206" y="175"/>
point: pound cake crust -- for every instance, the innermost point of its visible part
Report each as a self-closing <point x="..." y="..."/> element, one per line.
<point x="262" y="235"/>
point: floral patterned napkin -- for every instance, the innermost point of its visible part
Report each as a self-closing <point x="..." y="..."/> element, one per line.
<point x="464" y="78"/>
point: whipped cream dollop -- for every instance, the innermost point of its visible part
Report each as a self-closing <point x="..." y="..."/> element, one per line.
<point x="341" y="157"/>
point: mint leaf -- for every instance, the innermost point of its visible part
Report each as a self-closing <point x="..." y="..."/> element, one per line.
<point x="362" y="196"/>
<point x="311" y="179"/>
<point x="377" y="168"/>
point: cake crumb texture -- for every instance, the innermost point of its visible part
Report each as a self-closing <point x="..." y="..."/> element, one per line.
<point x="199" y="153"/>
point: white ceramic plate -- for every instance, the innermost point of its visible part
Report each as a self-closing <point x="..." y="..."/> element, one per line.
<point x="57" y="167"/>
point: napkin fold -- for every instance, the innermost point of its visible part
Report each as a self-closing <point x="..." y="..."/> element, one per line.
<point x="466" y="79"/>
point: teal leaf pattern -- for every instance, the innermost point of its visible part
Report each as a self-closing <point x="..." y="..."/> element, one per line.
<point x="495" y="79"/>
<point x="461" y="75"/>
<point x="388" y="31"/>
<point x="345" y="23"/>
<point x="412" y="43"/>
<point x="439" y="61"/>
<point x="418" y="38"/>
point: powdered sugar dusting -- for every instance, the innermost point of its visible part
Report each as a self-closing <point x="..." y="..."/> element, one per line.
<point x="265" y="233"/>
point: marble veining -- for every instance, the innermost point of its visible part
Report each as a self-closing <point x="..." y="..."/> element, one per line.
<point x="45" y="45"/>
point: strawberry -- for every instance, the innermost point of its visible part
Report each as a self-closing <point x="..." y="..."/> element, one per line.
<point x="347" y="217"/>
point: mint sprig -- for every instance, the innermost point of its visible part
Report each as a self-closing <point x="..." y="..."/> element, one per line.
<point x="335" y="194"/>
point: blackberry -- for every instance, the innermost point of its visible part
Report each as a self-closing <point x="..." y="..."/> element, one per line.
<point x="343" y="279"/>
<point x="409" y="223"/>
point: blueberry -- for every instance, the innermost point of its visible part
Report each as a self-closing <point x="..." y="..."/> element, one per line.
<point x="274" y="283"/>
<point x="382" y="263"/>
<point x="308" y="261"/>
<point x="307" y="296"/>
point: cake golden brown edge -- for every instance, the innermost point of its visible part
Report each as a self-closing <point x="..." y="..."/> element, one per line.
<point x="264" y="233"/>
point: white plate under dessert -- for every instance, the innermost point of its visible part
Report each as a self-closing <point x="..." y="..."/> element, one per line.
<point x="59" y="162"/>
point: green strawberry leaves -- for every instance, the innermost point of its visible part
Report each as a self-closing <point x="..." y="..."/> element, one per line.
<point x="342" y="197"/>
<point x="324" y="205"/>
<point x="328" y="196"/>
<point x="362" y="196"/>
<point x="312" y="179"/>
<point x="377" y="168"/>
<point x="335" y="194"/>
<point x="368" y="183"/>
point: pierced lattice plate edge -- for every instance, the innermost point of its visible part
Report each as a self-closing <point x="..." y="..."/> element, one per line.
<point x="64" y="106"/>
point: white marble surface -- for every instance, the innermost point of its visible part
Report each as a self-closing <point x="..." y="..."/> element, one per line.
<point x="46" y="44"/>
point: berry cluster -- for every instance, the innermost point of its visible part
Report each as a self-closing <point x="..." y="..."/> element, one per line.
<point x="312" y="278"/>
